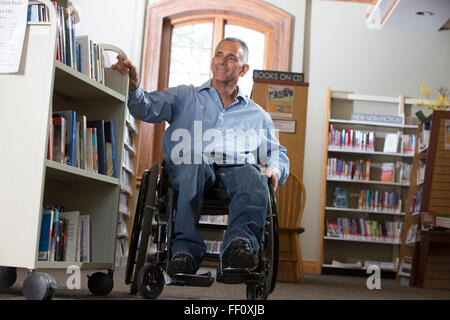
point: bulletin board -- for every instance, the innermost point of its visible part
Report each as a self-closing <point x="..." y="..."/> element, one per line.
<point x="284" y="95"/>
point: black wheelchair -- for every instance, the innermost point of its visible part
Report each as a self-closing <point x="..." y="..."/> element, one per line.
<point x="153" y="224"/>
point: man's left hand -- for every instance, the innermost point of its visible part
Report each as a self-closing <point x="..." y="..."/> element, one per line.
<point x="273" y="178"/>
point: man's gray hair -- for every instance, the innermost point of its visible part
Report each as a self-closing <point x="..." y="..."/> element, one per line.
<point x="241" y="42"/>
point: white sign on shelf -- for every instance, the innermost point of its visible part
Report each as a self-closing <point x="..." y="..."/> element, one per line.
<point x="13" y="22"/>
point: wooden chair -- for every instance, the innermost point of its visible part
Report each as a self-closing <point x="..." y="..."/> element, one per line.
<point x="291" y="198"/>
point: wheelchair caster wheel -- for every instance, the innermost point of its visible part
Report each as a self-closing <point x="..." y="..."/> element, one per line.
<point x="100" y="284"/>
<point x="150" y="281"/>
<point x="8" y="276"/>
<point x="39" y="286"/>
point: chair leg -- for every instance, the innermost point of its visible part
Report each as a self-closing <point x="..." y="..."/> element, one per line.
<point x="299" y="260"/>
<point x="293" y="251"/>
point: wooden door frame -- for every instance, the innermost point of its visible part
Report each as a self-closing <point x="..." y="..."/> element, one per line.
<point x="155" y="62"/>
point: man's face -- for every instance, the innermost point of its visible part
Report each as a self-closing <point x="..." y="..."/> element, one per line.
<point x="228" y="62"/>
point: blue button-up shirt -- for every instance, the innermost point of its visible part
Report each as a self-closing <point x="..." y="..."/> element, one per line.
<point x="201" y="129"/>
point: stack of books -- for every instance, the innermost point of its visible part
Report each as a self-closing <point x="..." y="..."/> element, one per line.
<point x="349" y="139"/>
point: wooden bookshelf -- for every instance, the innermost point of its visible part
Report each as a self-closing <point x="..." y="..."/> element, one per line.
<point x="431" y="251"/>
<point x="355" y="248"/>
<point x="31" y="180"/>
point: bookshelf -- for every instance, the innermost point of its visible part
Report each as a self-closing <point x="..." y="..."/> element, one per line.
<point x="363" y="203"/>
<point x="44" y="85"/>
<point x="427" y="249"/>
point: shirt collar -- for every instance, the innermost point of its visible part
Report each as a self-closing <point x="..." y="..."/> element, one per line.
<point x="240" y="95"/>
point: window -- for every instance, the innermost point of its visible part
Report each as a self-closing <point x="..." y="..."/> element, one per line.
<point x="188" y="30"/>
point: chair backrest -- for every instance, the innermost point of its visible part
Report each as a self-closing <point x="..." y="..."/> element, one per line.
<point x="291" y="199"/>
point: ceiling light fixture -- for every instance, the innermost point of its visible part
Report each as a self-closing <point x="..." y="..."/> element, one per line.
<point x="425" y="13"/>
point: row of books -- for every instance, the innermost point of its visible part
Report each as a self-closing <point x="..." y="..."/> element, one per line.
<point x="64" y="236"/>
<point x="348" y="170"/>
<point x="213" y="246"/>
<point x="83" y="144"/>
<point x="361" y="229"/>
<point x="77" y="52"/>
<point x="220" y="219"/>
<point x="349" y="139"/>
<point x="386" y="201"/>
<point x="424" y="136"/>
<point x="411" y="234"/>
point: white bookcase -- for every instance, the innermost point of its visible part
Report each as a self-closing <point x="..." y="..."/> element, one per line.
<point x="28" y="178"/>
<point x="350" y="252"/>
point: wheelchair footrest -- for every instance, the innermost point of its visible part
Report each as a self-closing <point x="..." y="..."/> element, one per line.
<point x="237" y="275"/>
<point x="193" y="280"/>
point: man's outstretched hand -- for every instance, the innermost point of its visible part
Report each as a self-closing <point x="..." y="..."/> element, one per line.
<point x="125" y="67"/>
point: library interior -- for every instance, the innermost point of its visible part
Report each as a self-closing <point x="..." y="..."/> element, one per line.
<point x="331" y="123"/>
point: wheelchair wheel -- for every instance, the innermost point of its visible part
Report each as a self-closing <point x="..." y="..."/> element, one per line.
<point x="150" y="281"/>
<point x="257" y="291"/>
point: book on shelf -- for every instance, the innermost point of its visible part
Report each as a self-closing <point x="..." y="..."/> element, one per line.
<point x="94" y="150"/>
<point x="427" y="220"/>
<point x="387" y="172"/>
<point x="37" y="12"/>
<point x="349" y="139"/>
<point x="89" y="150"/>
<point x="71" y="234"/>
<point x="416" y="200"/>
<point x="348" y="169"/>
<point x="45" y="235"/>
<point x="424" y="136"/>
<point x="219" y="219"/>
<point x="82" y="138"/>
<point x="84" y="253"/>
<point x="421" y="171"/>
<point x="99" y="125"/>
<point x="362" y="229"/>
<point x="411" y="234"/>
<point x="391" y="143"/>
<point x="213" y="246"/>
<point x="62" y="237"/>
<point x="350" y="265"/>
<point x="375" y="200"/>
<point x="59" y="139"/>
<point x="110" y="149"/>
<point x="408" y="143"/>
<point x="70" y="138"/>
<point x="340" y="197"/>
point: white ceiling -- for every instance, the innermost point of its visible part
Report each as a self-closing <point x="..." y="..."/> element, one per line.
<point x="404" y="15"/>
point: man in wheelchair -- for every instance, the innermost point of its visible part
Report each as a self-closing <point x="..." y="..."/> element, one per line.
<point x="215" y="132"/>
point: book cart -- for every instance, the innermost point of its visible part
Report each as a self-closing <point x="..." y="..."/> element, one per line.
<point x="368" y="232"/>
<point x="29" y="180"/>
<point x="425" y="250"/>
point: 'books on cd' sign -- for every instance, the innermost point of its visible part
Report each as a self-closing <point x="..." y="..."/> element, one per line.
<point x="269" y="75"/>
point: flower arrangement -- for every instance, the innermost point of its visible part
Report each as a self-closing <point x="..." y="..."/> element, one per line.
<point x="441" y="103"/>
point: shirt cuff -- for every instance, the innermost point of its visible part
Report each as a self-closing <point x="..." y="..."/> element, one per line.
<point x="133" y="95"/>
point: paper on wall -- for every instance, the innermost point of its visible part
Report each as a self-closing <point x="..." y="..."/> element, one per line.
<point x="13" y="22"/>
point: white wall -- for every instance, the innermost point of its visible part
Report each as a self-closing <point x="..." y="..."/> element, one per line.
<point x="347" y="56"/>
<point x="116" y="22"/>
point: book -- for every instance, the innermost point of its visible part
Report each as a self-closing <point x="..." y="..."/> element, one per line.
<point x="427" y="219"/>
<point x="59" y="139"/>
<point x="89" y="154"/>
<point x="100" y="126"/>
<point x="391" y="143"/>
<point x="84" y="55"/>
<point x="70" y="143"/>
<point x="45" y="235"/>
<point x="82" y="139"/>
<point x="72" y="221"/>
<point x="340" y="197"/>
<point x="110" y="149"/>
<point x="387" y="172"/>
<point x="55" y="231"/>
<point x="94" y="150"/>
<point x="50" y="139"/>
<point x="84" y="239"/>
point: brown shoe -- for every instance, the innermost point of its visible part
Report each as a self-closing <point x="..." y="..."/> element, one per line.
<point x="239" y="255"/>
<point x="181" y="263"/>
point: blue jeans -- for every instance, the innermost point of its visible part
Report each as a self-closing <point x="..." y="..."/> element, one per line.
<point x="247" y="189"/>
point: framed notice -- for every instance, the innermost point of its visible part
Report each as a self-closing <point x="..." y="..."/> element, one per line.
<point x="284" y="126"/>
<point x="280" y="101"/>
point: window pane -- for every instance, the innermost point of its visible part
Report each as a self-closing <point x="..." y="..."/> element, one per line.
<point x="190" y="57"/>
<point x="255" y="43"/>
